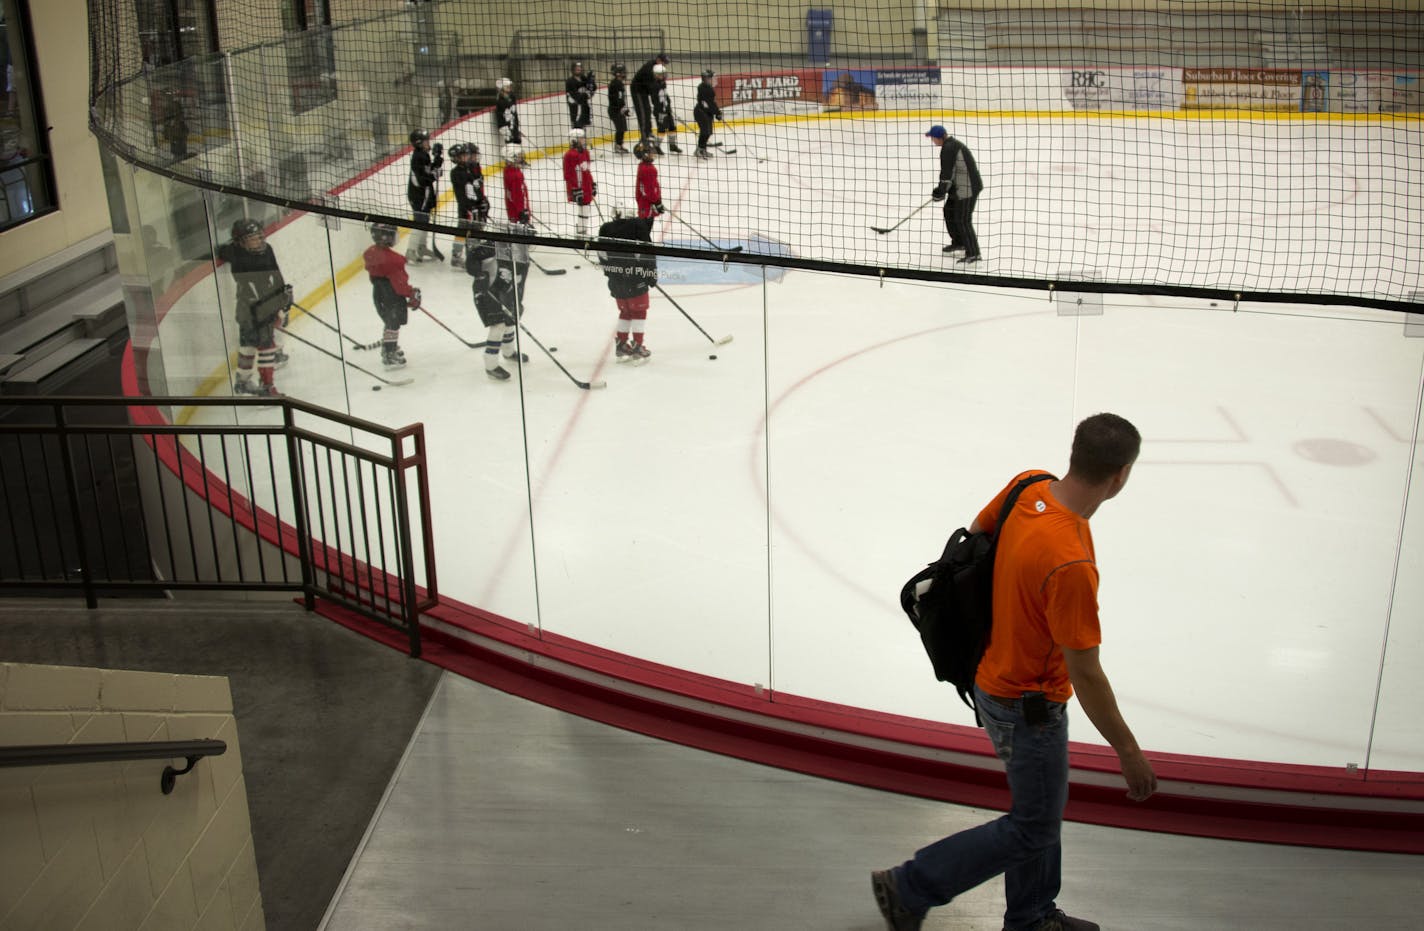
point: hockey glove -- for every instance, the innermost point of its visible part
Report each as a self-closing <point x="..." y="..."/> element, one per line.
<point x="578" y="197"/>
<point x="941" y="191"/>
<point x="659" y="209"/>
<point x="438" y="148"/>
<point x="524" y="216"/>
<point x="289" y="297"/>
<point x="413" y="302"/>
<point x="593" y="191"/>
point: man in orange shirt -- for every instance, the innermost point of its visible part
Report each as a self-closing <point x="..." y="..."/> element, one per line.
<point x="1044" y="649"/>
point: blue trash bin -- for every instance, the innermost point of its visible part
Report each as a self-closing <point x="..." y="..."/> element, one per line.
<point x="818" y="36"/>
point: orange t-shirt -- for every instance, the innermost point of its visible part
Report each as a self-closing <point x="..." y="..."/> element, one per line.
<point x="1045" y="594"/>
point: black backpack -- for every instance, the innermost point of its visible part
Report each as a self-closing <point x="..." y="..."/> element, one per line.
<point x="951" y="600"/>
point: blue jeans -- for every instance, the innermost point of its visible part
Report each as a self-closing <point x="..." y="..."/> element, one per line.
<point x="1023" y="844"/>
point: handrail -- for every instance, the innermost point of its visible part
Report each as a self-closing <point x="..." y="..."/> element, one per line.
<point x="57" y="754"/>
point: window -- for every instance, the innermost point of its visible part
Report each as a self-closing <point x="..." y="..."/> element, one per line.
<point x="178" y="40"/>
<point x="171" y="31"/>
<point x="26" y="174"/>
<point x="311" y="57"/>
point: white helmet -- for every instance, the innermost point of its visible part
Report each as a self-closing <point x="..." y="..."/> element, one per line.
<point x="659" y="69"/>
<point x="625" y="209"/>
<point x="503" y="84"/>
<point x="576" y="135"/>
<point x="514" y="153"/>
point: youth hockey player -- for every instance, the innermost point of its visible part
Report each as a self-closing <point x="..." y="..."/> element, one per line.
<point x="705" y="112"/>
<point x="468" y="180"/>
<point x="516" y="208"/>
<point x="494" y="292"/>
<point x="630" y="276"/>
<point x="263" y="298"/>
<point x="579" y="88"/>
<point x="506" y="113"/>
<point x="662" y="110"/>
<point x="578" y="179"/>
<point x="425" y="164"/>
<point x="645" y="88"/>
<point x="391" y="290"/>
<point x="649" y="192"/>
<point x="618" y="107"/>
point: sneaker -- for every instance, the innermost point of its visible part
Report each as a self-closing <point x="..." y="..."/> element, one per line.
<point x="1061" y="922"/>
<point x="514" y="356"/>
<point x="638" y="353"/>
<point x="623" y="351"/>
<point x="887" y="896"/>
<point x="497" y="373"/>
<point x="392" y="360"/>
<point x="702" y="153"/>
<point x="952" y="248"/>
<point x="968" y="260"/>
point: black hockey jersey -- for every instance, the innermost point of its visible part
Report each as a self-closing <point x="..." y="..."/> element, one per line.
<point x="261" y="289"/>
<point x="629" y="274"/>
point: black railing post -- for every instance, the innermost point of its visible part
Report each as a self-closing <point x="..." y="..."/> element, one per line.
<point x="299" y="509"/>
<point x="71" y="479"/>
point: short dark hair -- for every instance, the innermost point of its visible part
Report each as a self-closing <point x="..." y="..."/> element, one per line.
<point x="1102" y="445"/>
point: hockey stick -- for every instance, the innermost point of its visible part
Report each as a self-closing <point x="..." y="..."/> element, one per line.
<point x="327" y="352"/>
<point x="890" y="229"/>
<point x="727" y="149"/>
<point x="354" y="344"/>
<point x="441" y="324"/>
<point x="583" y="252"/>
<point x="548" y="271"/>
<point x="585" y="385"/>
<point x="704" y="238"/>
<point x="716" y="342"/>
<point x="737" y="143"/>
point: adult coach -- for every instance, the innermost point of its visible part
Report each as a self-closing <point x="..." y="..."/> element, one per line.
<point x="1044" y="648"/>
<point x="959" y="187"/>
<point x="645" y="91"/>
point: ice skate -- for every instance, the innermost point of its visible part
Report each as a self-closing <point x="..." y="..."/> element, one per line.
<point x="621" y="149"/>
<point x="623" y="352"/>
<point x="702" y="152"/>
<point x="674" y="148"/>
<point x="952" y="248"/>
<point x="392" y="358"/>
<point x="412" y="257"/>
<point x="498" y="373"/>
<point x="638" y="354"/>
<point x="246" y="386"/>
<point x="457" y="256"/>
<point x="515" y="356"/>
<point x="280" y="358"/>
<point x="969" y="259"/>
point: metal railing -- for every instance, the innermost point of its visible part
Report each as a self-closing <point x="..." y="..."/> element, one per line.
<point x="115" y="496"/>
<point x="57" y="754"/>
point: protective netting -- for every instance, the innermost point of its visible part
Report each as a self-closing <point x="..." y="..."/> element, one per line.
<point x="1264" y="150"/>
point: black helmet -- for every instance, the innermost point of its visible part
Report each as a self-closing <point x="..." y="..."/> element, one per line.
<point x="457" y="151"/>
<point x="472" y="150"/>
<point x="707" y="73"/>
<point x="418" y="136"/>
<point x="643" y="150"/>
<point x="383" y="234"/>
<point x="244" y="228"/>
<point x="620" y="70"/>
<point x="577" y="66"/>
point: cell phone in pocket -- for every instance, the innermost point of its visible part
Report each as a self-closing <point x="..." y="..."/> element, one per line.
<point x="1035" y="708"/>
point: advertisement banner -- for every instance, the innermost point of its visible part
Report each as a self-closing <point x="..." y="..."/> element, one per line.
<point x="907" y="87"/>
<point x="772" y="91"/>
<point x="1121" y="88"/>
<point x="853" y="89"/>
<point x="1314" y="91"/>
<point x="1241" y="89"/>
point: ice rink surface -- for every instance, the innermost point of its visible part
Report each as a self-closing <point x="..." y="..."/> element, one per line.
<point x="752" y="517"/>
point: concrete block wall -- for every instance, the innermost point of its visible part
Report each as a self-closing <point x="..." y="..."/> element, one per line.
<point x="98" y="845"/>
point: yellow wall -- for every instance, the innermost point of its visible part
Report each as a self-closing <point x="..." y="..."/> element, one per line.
<point x="62" y="58"/>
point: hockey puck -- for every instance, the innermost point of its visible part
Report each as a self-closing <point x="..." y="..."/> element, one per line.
<point x="375" y="387"/>
<point x="711" y="357"/>
<point x="553" y="348"/>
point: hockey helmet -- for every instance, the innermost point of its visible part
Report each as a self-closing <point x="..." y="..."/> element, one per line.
<point x="644" y="151"/>
<point x="576" y="135"/>
<point x="503" y="84"/>
<point x="514" y="154"/>
<point x="624" y="209"/>
<point x="620" y="70"/>
<point x="578" y="67"/>
<point x="708" y="73"/>
<point x="457" y="151"/>
<point x="242" y="230"/>
<point x="659" y="70"/>
<point x="417" y="136"/>
<point x="383" y="234"/>
<point x="472" y="150"/>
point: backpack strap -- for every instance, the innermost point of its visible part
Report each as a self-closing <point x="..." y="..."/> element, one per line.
<point x="1013" y="498"/>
